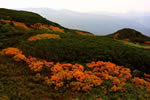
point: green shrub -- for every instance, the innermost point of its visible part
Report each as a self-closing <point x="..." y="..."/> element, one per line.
<point x="86" y="49"/>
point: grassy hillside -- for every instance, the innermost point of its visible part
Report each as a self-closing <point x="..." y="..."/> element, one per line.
<point x="49" y="62"/>
<point x="24" y="16"/>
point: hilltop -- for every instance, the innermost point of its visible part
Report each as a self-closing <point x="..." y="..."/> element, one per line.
<point x="48" y="61"/>
<point x="130" y="35"/>
<point x="24" y="16"/>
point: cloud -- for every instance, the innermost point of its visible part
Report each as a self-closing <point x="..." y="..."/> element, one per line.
<point x="82" y="5"/>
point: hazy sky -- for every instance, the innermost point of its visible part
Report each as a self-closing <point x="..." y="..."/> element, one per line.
<point x="118" y="6"/>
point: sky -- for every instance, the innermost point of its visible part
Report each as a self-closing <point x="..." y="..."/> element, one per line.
<point x="117" y="6"/>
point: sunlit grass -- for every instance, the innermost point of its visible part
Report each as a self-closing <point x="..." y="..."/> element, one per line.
<point x="135" y="44"/>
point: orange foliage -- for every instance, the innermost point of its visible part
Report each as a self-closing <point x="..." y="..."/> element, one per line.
<point x="16" y="53"/>
<point x="147" y="42"/>
<point x="5" y="21"/>
<point x="118" y="75"/>
<point x="76" y="77"/>
<point x="84" y="33"/>
<point x="99" y="99"/>
<point x="126" y="39"/>
<point x="84" y="80"/>
<point x="19" y="57"/>
<point x="36" y="66"/>
<point x="54" y="28"/>
<point x="77" y="67"/>
<point x="57" y="68"/>
<point x="20" y="24"/>
<point x="11" y="51"/>
<point x="39" y="26"/>
<point x="79" y="75"/>
<point x="140" y="83"/>
<point x="30" y="60"/>
<point x="44" y="36"/>
<point x="147" y="77"/>
<point x="48" y="64"/>
<point x="115" y="88"/>
<point x="146" y="48"/>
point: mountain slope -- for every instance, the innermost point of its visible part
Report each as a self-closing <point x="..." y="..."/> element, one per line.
<point x="24" y="16"/>
<point x="49" y="62"/>
<point x="71" y="45"/>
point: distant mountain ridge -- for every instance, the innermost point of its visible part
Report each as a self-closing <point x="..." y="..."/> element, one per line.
<point x="97" y="23"/>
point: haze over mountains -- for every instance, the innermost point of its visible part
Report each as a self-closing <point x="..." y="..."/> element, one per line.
<point x="98" y="23"/>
